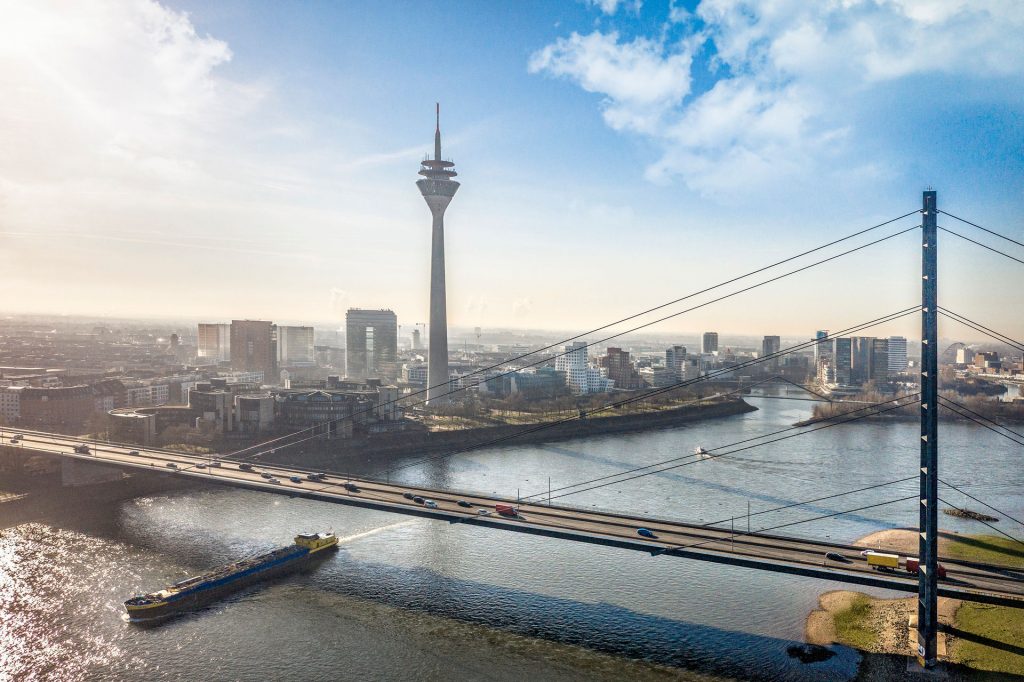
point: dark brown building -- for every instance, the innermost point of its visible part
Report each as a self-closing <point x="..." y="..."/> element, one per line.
<point x="620" y="369"/>
<point x="253" y="348"/>
<point x="64" y="408"/>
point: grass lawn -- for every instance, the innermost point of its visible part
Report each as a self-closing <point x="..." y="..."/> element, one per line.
<point x="992" y="549"/>
<point x="990" y="638"/>
<point x="852" y="624"/>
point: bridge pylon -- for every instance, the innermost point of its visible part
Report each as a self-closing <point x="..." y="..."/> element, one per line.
<point x="927" y="588"/>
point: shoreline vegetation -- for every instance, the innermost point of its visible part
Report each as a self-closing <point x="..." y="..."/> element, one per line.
<point x="977" y="642"/>
<point x="989" y="408"/>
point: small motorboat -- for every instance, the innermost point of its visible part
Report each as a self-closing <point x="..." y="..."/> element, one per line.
<point x="702" y="453"/>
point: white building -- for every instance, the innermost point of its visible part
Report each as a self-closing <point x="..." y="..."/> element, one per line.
<point x="295" y="347"/>
<point x="580" y="377"/>
<point x="10" y="403"/>
<point x="964" y="356"/>
<point x="213" y="342"/>
<point x="250" y="377"/>
<point x="897" y="354"/>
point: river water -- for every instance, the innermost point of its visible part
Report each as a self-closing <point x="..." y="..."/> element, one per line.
<point x="419" y="599"/>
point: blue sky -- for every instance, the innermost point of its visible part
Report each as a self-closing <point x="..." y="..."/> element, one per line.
<point x="230" y="159"/>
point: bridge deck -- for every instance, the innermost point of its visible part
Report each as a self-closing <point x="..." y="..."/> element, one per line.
<point x="965" y="580"/>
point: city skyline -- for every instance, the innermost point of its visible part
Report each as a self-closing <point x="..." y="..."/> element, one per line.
<point x="259" y="162"/>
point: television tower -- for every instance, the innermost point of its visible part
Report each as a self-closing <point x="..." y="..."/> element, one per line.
<point x="437" y="188"/>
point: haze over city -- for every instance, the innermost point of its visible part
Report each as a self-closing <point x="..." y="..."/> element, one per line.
<point x="613" y="155"/>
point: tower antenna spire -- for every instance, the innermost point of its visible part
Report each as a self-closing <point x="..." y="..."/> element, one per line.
<point x="437" y="135"/>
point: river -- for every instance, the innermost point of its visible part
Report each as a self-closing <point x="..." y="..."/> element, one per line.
<point x="418" y="599"/>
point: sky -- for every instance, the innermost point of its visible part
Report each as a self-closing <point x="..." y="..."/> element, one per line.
<point x="224" y="160"/>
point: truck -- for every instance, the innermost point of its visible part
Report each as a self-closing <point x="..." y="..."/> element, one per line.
<point x="506" y="510"/>
<point x="82" y="449"/>
<point x="913" y="567"/>
<point x="883" y="562"/>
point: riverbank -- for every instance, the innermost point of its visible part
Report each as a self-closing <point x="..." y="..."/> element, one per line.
<point x="976" y="639"/>
<point x="373" y="450"/>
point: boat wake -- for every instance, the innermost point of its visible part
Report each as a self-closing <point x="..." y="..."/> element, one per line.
<point x="374" y="531"/>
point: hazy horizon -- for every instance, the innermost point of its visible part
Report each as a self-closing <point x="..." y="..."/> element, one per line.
<point x="196" y="161"/>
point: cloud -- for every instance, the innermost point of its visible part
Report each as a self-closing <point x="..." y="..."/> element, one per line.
<point x="103" y="96"/>
<point x="785" y="79"/>
<point x="640" y="79"/>
<point x="612" y="6"/>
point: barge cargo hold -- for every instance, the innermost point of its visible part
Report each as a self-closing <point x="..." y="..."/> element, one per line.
<point x="203" y="589"/>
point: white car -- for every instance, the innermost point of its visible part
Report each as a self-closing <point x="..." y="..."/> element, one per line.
<point x="134" y="453"/>
<point x="200" y="466"/>
<point x="430" y="503"/>
<point x="274" y="480"/>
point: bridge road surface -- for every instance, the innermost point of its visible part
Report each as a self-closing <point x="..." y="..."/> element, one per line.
<point x="968" y="580"/>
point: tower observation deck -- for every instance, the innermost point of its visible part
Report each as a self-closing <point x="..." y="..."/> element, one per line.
<point x="437" y="188"/>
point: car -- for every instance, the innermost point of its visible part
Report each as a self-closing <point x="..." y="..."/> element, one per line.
<point x="134" y="452"/>
<point x="14" y="440"/>
<point x="483" y="512"/>
<point x="833" y="556"/>
<point x="295" y="479"/>
<point x="215" y="464"/>
<point x="418" y="500"/>
<point x="463" y="503"/>
<point x="430" y="503"/>
<point x="351" y="487"/>
<point x="201" y="465"/>
<point x="172" y="465"/>
<point x="274" y="480"/>
<point x="266" y="475"/>
<point x="646" y="533"/>
<point x="245" y="467"/>
<point x="408" y="496"/>
<point x="18" y="436"/>
<point x="312" y="477"/>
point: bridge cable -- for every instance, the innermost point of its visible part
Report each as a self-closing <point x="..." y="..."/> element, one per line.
<point x="791" y="523"/>
<point x="998" y="511"/>
<point x="984" y="229"/>
<point x="729" y="445"/>
<point x="984" y="246"/>
<point x="950" y="504"/>
<point x="748" y="447"/>
<point x="981" y="423"/>
<point x="977" y="326"/>
<point x="881" y="320"/>
<point x="817" y="499"/>
<point x="625" y="319"/>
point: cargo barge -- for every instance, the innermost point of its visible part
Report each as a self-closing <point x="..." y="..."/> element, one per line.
<point x="203" y="589"/>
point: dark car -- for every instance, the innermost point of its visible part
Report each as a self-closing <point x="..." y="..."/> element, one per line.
<point x="351" y="487"/>
<point x="408" y="496"/>
<point x="245" y="467"/>
<point x="832" y="556"/>
<point x="418" y="500"/>
<point x="463" y="503"/>
<point x="644" y="532"/>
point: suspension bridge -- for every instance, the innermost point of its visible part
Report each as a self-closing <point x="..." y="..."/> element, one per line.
<point x="762" y="548"/>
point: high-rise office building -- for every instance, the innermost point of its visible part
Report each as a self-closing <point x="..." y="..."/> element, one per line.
<point x="295" y="347"/>
<point x="437" y="188"/>
<point x="842" y="359"/>
<point x="860" y="359"/>
<point x="769" y="346"/>
<point x="214" y="342"/>
<point x="371" y="344"/>
<point x="823" y="347"/>
<point x="674" y="359"/>
<point x="897" y="354"/>
<point x="709" y="342"/>
<point x="253" y="347"/>
<point x="879" y="372"/>
<point x="416" y="343"/>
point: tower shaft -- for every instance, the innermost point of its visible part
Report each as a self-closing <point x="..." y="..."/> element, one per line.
<point x="437" y="188"/>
